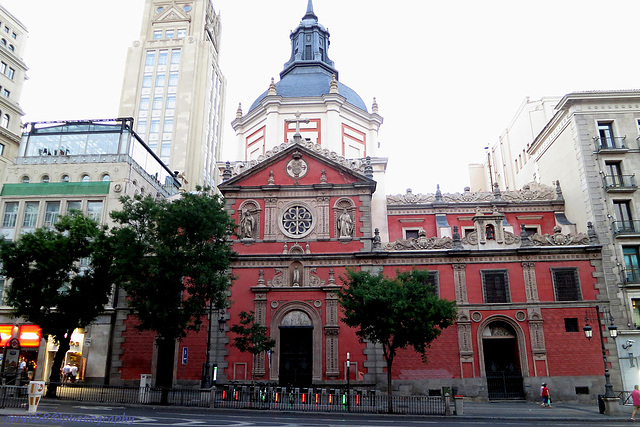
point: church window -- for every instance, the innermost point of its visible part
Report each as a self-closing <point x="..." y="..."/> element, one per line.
<point x="490" y="232"/>
<point x="432" y="282"/>
<point x="495" y="284"/>
<point x="566" y="284"/>
<point x="297" y="221"/>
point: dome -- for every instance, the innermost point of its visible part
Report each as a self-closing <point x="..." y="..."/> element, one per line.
<point x="310" y="82"/>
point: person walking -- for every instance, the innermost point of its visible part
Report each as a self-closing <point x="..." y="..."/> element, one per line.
<point x="635" y="396"/>
<point x="546" y="396"/>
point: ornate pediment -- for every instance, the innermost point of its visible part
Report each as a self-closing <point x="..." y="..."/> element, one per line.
<point x="421" y="243"/>
<point x="172" y="14"/>
<point x="559" y="239"/>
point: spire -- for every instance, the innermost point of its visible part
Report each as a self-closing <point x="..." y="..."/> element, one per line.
<point x="310" y="14"/>
<point x="309" y="45"/>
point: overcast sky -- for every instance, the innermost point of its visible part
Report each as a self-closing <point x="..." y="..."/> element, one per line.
<point x="448" y="75"/>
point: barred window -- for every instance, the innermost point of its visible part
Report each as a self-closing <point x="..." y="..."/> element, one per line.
<point x="566" y="284"/>
<point x="495" y="285"/>
<point x="432" y="282"/>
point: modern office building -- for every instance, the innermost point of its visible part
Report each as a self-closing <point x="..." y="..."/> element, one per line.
<point x="13" y="38"/>
<point x="86" y="166"/>
<point x="174" y="88"/>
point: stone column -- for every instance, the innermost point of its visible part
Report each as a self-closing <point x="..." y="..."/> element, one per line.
<point x="530" y="284"/>
<point x="331" y="331"/>
<point x="270" y="218"/>
<point x="460" y="282"/>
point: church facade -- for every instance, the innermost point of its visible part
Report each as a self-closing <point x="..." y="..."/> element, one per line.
<point x="308" y="197"/>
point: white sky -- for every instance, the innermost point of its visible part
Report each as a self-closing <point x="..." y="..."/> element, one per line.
<point x="448" y="75"/>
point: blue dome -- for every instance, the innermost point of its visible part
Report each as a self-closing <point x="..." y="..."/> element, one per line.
<point x="308" y="82"/>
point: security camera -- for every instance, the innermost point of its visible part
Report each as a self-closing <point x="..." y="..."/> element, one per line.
<point x="628" y="344"/>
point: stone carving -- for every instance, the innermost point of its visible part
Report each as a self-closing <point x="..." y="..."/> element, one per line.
<point x="278" y="279"/>
<point x="314" y="280"/>
<point x="357" y="165"/>
<point x="472" y="238"/>
<point x="247" y="224"/>
<point x="345" y="224"/>
<point x="421" y="243"/>
<point x="559" y="239"/>
<point x="530" y="192"/>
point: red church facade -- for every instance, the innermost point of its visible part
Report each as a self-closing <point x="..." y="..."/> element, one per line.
<point x="524" y="281"/>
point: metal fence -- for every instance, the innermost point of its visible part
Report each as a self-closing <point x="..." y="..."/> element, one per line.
<point x="326" y="400"/>
<point x="13" y="396"/>
<point x="123" y="394"/>
<point x="242" y="397"/>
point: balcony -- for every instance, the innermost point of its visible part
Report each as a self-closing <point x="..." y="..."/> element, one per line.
<point x="615" y="144"/>
<point x="619" y="183"/>
<point x="626" y="228"/>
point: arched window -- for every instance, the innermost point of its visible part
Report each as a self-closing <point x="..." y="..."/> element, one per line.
<point x="106" y="177"/>
<point x="45" y="179"/>
<point x="85" y="178"/>
<point x="25" y="179"/>
<point x="5" y="121"/>
<point x="65" y="178"/>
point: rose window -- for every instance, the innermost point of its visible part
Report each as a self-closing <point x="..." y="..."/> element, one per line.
<point x="297" y="221"/>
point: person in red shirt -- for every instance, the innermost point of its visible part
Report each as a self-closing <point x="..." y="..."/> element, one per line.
<point x="546" y="396"/>
<point x="635" y="396"/>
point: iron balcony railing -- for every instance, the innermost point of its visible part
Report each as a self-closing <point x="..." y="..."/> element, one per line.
<point x="610" y="143"/>
<point x="620" y="182"/>
<point x="626" y="227"/>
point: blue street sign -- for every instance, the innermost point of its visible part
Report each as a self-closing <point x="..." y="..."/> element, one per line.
<point x="185" y="355"/>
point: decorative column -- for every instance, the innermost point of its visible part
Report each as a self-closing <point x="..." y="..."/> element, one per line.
<point x="460" y="283"/>
<point x="538" y="348"/>
<point x="270" y="218"/>
<point x="331" y="328"/>
<point x="465" y="344"/>
<point x="322" y="224"/>
<point x="530" y="284"/>
<point x="260" y="313"/>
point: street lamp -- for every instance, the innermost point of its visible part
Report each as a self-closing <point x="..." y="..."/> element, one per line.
<point x="348" y="393"/>
<point x="205" y="381"/>
<point x="613" y="332"/>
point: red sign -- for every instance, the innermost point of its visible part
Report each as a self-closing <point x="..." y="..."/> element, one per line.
<point x="5" y="334"/>
<point x="30" y="335"/>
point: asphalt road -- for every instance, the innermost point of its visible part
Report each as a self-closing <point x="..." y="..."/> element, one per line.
<point x="79" y="415"/>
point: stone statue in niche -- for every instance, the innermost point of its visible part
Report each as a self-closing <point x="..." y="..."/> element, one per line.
<point x="247" y="224"/>
<point x="345" y="224"/>
<point x="296" y="276"/>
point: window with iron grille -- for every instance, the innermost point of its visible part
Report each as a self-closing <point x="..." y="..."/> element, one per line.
<point x="432" y="281"/>
<point x="571" y="324"/>
<point x="566" y="284"/>
<point x="495" y="285"/>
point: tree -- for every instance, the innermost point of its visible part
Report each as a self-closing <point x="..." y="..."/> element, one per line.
<point x="172" y="258"/>
<point x="395" y="312"/>
<point x="251" y="336"/>
<point x="61" y="279"/>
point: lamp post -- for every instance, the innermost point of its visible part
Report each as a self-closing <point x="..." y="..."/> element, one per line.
<point x="348" y="378"/>
<point x="613" y="332"/>
<point x="206" y="381"/>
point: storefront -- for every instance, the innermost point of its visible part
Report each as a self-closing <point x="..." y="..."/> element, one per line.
<point x="29" y="340"/>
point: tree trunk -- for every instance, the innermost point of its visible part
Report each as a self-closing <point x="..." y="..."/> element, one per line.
<point x="58" y="359"/>
<point x="389" y="360"/>
<point x="164" y="367"/>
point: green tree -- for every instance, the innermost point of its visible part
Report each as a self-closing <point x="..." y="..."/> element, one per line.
<point x="172" y="258"/>
<point x="395" y="312"/>
<point x="61" y="279"/>
<point x="251" y="337"/>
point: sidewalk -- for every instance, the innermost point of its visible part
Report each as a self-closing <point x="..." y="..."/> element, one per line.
<point x="533" y="411"/>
